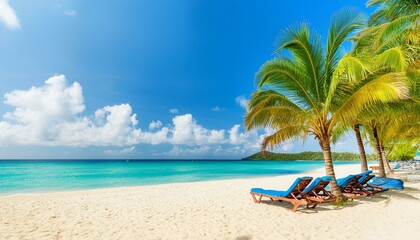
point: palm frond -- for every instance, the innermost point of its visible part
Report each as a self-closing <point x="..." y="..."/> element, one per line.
<point x="413" y="36"/>
<point x="271" y="109"/>
<point x="393" y="57"/>
<point x="343" y="23"/>
<point x="349" y="70"/>
<point x="340" y="130"/>
<point x="413" y="74"/>
<point x="388" y="10"/>
<point x="353" y="68"/>
<point x="393" y="33"/>
<point x="288" y="133"/>
<point x="306" y="47"/>
<point x="376" y="88"/>
<point x="283" y="75"/>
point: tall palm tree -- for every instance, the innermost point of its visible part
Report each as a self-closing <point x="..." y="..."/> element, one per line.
<point x="389" y="125"/>
<point x="362" y="153"/>
<point x="307" y="91"/>
<point x="376" y="142"/>
<point x="393" y="39"/>
<point x="394" y="30"/>
<point x="387" y="166"/>
<point x="344" y="127"/>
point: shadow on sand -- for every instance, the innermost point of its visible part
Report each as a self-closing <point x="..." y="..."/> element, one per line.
<point x="247" y="237"/>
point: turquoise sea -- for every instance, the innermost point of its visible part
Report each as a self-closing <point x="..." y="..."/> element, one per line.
<point x="30" y="176"/>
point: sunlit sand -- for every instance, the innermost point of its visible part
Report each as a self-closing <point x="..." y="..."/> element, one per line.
<point x="207" y="210"/>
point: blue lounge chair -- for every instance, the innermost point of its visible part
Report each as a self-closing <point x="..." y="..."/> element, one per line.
<point x="349" y="186"/>
<point x="363" y="184"/>
<point x="364" y="175"/>
<point x="316" y="192"/>
<point x="292" y="195"/>
<point x="396" y="166"/>
<point x="344" y="182"/>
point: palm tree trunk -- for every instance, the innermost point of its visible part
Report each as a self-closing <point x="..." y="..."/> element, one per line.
<point x="329" y="168"/>
<point x="363" y="161"/>
<point x="378" y="152"/>
<point x="385" y="159"/>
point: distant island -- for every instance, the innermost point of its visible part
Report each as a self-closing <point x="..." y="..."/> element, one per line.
<point x="314" y="156"/>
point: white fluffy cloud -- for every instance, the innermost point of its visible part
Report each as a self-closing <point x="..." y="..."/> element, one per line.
<point x="184" y="130"/>
<point x="54" y="101"/>
<point x="251" y="140"/>
<point x="242" y="101"/>
<point x="8" y="15"/>
<point x="155" y="125"/>
<point x="49" y="115"/>
<point x="154" y="138"/>
<point x="53" y="115"/>
<point x="187" y="131"/>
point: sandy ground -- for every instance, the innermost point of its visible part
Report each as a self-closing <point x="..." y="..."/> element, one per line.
<point x="207" y="210"/>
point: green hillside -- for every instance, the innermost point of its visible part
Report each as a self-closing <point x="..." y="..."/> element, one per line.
<point x="314" y="156"/>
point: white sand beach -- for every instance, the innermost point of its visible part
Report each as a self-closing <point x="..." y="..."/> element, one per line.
<point x="207" y="210"/>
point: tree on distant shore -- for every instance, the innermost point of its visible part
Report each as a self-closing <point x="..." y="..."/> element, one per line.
<point x="311" y="156"/>
<point x="308" y="91"/>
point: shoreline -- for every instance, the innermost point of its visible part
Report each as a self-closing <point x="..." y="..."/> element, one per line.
<point x="219" y="209"/>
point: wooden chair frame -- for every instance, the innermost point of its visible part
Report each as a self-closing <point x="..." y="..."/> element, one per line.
<point x="296" y="197"/>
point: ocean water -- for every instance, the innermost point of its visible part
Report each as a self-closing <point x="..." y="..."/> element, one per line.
<point x="31" y="176"/>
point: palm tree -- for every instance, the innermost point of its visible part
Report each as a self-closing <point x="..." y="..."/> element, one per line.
<point x="394" y="22"/>
<point x="309" y="91"/>
<point x="394" y="31"/>
<point x="402" y="127"/>
<point x="387" y="167"/>
<point x="390" y="124"/>
<point x="392" y="38"/>
<point x="362" y="153"/>
<point x="376" y="142"/>
<point x="342" y="128"/>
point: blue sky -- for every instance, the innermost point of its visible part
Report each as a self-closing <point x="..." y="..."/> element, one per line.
<point x="140" y="79"/>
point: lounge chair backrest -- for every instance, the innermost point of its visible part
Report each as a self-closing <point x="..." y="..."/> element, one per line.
<point x="323" y="184"/>
<point x="318" y="185"/>
<point x="313" y="185"/>
<point x="364" y="175"/>
<point x="299" y="185"/>
<point x="366" y="179"/>
<point x="344" y="182"/>
<point x="355" y="181"/>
